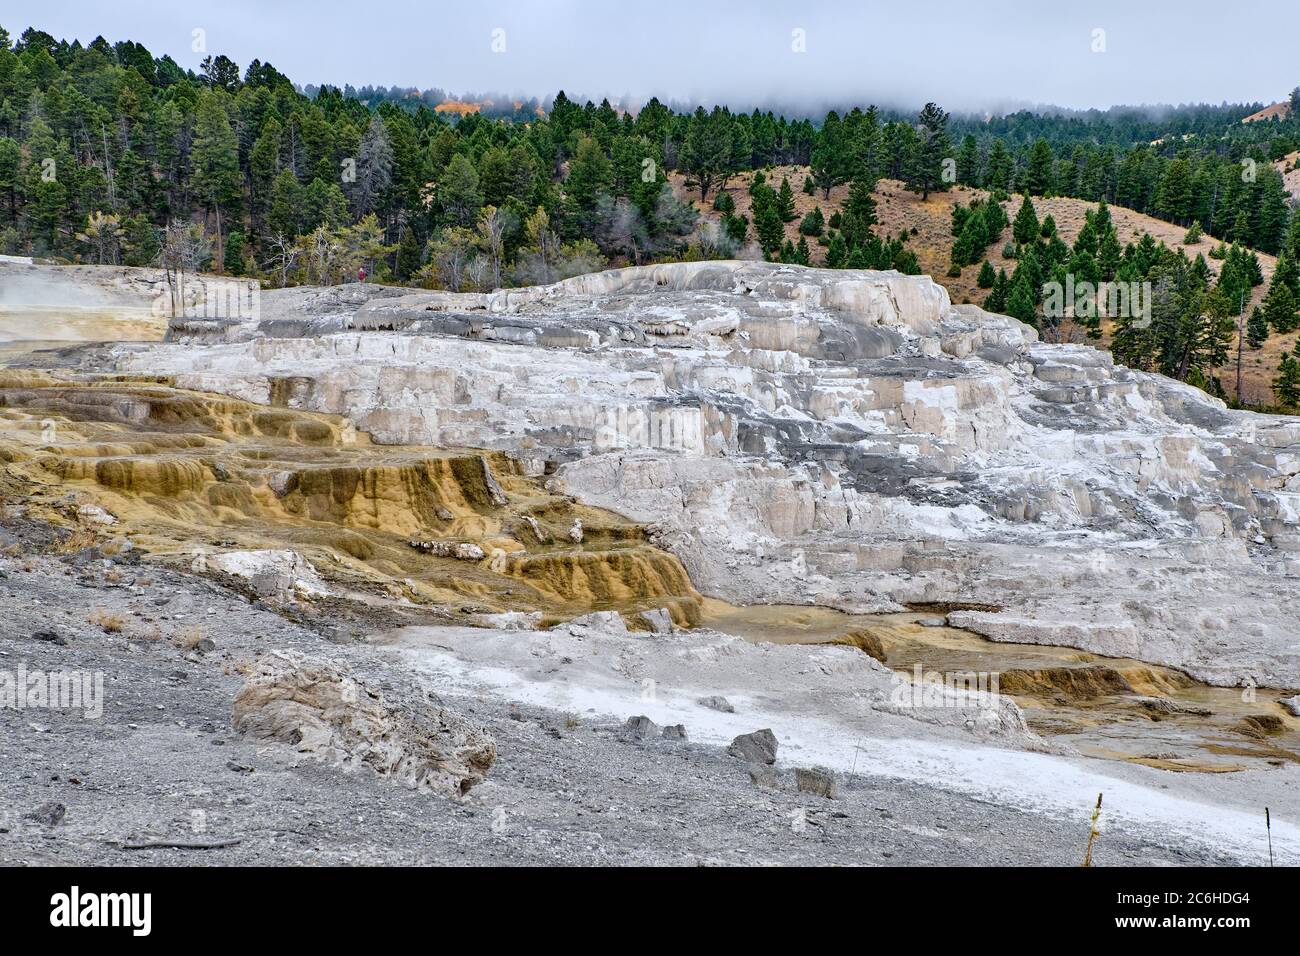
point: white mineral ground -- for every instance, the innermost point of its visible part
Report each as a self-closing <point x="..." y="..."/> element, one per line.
<point x="848" y="441"/>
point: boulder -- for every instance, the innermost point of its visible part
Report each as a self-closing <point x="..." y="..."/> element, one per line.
<point x="717" y="703"/>
<point x="758" y="747"/>
<point x="820" y="783"/>
<point x="640" y="727"/>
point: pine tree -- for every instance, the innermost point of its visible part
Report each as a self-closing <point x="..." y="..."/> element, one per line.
<point x="408" y="256"/>
<point x="836" y="252"/>
<point x="802" y="255"/>
<point x="1288" y="272"/>
<point x="767" y="222"/>
<point x="996" y="300"/>
<point x="813" y="223"/>
<point x="924" y="167"/>
<point x="827" y="162"/>
<point x="233" y="258"/>
<point x="1021" y="302"/>
<point x="968" y="162"/>
<point x="987" y="277"/>
<point x="1286" y="386"/>
<point x="1280" y="307"/>
<point x="859" y="213"/>
<point x="1037" y="179"/>
<point x="1257" y="328"/>
<point x="215" y="157"/>
<point x="785" y="201"/>
<point x="998" y="168"/>
<point x="1025" y="228"/>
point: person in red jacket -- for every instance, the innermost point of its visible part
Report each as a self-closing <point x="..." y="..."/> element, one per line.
<point x="361" y="274"/>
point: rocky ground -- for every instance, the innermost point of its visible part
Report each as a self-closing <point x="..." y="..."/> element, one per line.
<point x="786" y="436"/>
<point x="162" y="764"/>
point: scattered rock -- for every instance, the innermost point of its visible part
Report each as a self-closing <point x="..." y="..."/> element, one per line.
<point x="237" y="767"/>
<point x="820" y="783"/>
<point x="50" y="637"/>
<point x="276" y="574"/>
<point x="316" y="708"/>
<point x="933" y="622"/>
<point x="575" y="533"/>
<point x="460" y="550"/>
<point x="444" y="514"/>
<point x="758" y="747"/>
<point x="610" y="621"/>
<point x="660" y="621"/>
<point x="1158" y="707"/>
<point x="765" y="776"/>
<point x="675" y="732"/>
<point x="1292" y="704"/>
<point x="282" y="482"/>
<point x="535" y="526"/>
<point x="717" y="703"/>
<point x="47" y="814"/>
<point x="640" y="727"/>
<point x="94" y="514"/>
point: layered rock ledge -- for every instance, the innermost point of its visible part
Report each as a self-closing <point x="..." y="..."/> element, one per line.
<point x="843" y="438"/>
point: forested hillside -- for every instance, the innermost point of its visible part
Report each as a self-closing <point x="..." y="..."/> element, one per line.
<point x="110" y="153"/>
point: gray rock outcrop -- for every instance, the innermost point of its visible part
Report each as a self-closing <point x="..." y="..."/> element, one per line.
<point x="317" y="709"/>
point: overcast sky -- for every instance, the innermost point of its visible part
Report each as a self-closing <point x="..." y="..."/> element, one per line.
<point x="974" y="54"/>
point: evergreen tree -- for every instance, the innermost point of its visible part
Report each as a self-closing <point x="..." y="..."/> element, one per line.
<point x="785" y="201"/>
<point x="1286" y="386"/>
<point x="987" y="277"/>
<point x="1257" y="328"/>
<point x="1280" y="308"/>
<point x="706" y="152"/>
<point x="968" y="162"/>
<point x="813" y="223"/>
<point x="828" y="166"/>
<point x="215" y="158"/>
<point x="767" y="221"/>
<point x="924" y="168"/>
<point x="1038" y="176"/>
<point x="233" y="258"/>
<point x="996" y="300"/>
<point x="802" y="255"/>
<point x="1025" y="228"/>
<point x="859" y="213"/>
<point x="999" y="167"/>
<point x="1021" y="301"/>
<point x="836" y="252"/>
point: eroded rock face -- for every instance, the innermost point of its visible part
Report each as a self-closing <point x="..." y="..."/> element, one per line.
<point x="323" y="713"/>
<point x="845" y="438"/>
